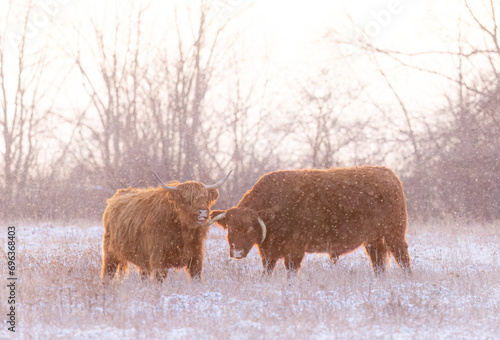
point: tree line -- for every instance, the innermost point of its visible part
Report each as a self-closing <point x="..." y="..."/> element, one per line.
<point x="188" y="109"/>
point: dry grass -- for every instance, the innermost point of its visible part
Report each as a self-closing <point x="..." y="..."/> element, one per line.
<point x="454" y="294"/>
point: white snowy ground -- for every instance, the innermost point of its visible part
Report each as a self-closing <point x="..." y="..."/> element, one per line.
<point x="455" y="293"/>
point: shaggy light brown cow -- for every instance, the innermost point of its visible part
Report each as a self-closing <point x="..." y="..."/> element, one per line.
<point x="335" y="211"/>
<point x="157" y="229"/>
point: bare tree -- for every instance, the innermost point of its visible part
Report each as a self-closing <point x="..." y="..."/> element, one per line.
<point x="149" y="100"/>
<point x="455" y="171"/>
<point x="179" y="109"/>
<point x="245" y="138"/>
<point x="24" y="108"/>
<point x="323" y="122"/>
<point x="112" y="139"/>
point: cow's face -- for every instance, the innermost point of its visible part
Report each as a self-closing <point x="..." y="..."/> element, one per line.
<point x="244" y="229"/>
<point x="192" y="201"/>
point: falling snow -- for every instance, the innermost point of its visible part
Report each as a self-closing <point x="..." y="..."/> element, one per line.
<point x="455" y="292"/>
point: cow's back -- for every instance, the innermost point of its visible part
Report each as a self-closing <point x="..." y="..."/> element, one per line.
<point x="314" y="207"/>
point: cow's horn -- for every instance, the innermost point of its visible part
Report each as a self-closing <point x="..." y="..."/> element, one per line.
<point x="163" y="185"/>
<point x="216" y="218"/>
<point x="264" y="229"/>
<point x="219" y="183"/>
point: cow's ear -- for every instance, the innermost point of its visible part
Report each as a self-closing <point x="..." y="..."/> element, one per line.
<point x="222" y="221"/>
<point x="213" y="195"/>
<point x="268" y="215"/>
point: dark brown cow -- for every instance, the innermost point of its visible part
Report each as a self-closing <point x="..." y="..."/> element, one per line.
<point x="290" y="213"/>
<point x="157" y="228"/>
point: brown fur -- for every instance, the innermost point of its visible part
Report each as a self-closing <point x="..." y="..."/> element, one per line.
<point x="156" y="230"/>
<point x="330" y="211"/>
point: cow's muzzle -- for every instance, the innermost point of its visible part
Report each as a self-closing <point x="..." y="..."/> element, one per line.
<point x="237" y="254"/>
<point x="202" y="217"/>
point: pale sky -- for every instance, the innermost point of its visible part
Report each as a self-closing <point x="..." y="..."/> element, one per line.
<point x="286" y="41"/>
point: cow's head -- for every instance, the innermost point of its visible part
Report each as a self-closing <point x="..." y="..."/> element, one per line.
<point x="192" y="200"/>
<point x="245" y="227"/>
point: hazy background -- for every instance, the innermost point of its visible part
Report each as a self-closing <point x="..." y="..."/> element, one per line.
<point x="93" y="95"/>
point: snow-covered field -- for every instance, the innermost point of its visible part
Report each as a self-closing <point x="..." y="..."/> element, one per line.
<point x="455" y="293"/>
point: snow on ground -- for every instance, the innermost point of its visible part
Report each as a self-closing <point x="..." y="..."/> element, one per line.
<point x="454" y="294"/>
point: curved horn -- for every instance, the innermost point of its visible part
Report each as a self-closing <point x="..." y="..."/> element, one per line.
<point x="216" y="218"/>
<point x="219" y="183"/>
<point x="264" y="229"/>
<point x="163" y="185"/>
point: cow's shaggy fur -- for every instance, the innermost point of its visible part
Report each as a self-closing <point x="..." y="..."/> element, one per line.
<point x="321" y="211"/>
<point x="156" y="229"/>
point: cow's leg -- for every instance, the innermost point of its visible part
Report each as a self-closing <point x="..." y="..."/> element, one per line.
<point x="268" y="266"/>
<point x="377" y="251"/>
<point x="292" y="263"/>
<point x="334" y="257"/>
<point x="109" y="262"/>
<point x="158" y="269"/>
<point x="144" y="274"/>
<point x="122" y="268"/>
<point x="161" y="274"/>
<point x="195" y="266"/>
<point x="109" y="265"/>
<point x="399" y="249"/>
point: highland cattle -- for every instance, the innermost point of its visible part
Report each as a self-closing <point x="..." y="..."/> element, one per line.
<point x="292" y="212"/>
<point x="157" y="228"/>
